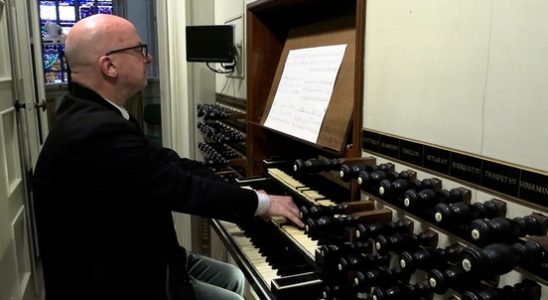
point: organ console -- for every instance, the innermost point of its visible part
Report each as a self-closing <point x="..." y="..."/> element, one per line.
<point x="270" y="277"/>
<point x="350" y="246"/>
<point x="335" y="258"/>
<point x="344" y="264"/>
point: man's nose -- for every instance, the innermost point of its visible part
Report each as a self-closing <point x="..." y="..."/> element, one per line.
<point x="148" y="58"/>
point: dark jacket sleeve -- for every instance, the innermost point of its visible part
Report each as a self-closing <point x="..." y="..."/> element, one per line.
<point x="197" y="168"/>
<point x="183" y="185"/>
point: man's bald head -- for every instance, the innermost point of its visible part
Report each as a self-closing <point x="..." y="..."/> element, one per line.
<point x="116" y="76"/>
<point x="92" y="37"/>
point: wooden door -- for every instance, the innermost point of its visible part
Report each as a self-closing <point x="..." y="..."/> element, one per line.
<point x="19" y="147"/>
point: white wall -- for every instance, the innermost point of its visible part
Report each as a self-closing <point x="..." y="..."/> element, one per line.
<point x="201" y="80"/>
<point x="463" y="74"/>
<point x="226" y="10"/>
<point x="174" y="89"/>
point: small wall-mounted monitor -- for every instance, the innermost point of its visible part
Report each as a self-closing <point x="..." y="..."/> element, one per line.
<point x="211" y="43"/>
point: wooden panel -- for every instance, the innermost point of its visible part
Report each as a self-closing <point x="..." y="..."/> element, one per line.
<point x="275" y="27"/>
<point x="5" y="64"/>
<point x="21" y="249"/>
<point x="263" y="45"/>
<point x="334" y="131"/>
<point x="8" y="132"/>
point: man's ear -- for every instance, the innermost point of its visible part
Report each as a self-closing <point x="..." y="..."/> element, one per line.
<point x="108" y="67"/>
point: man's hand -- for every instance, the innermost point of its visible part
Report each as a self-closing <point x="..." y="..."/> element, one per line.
<point x="285" y="207"/>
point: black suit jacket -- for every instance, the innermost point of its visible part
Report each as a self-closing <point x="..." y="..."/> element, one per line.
<point x="103" y="200"/>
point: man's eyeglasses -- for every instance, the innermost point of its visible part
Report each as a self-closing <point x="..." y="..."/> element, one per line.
<point x="143" y="47"/>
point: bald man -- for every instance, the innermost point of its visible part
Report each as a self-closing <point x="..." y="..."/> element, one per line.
<point x="104" y="195"/>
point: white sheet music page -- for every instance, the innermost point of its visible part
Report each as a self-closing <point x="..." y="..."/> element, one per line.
<point x="304" y="91"/>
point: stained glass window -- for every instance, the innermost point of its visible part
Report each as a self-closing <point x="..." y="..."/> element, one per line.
<point x="56" y="19"/>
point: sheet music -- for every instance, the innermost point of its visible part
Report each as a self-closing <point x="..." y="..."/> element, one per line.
<point x="304" y="91"/>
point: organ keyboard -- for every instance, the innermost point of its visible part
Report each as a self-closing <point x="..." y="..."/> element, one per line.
<point x="274" y="268"/>
<point x="302" y="190"/>
<point x="276" y="256"/>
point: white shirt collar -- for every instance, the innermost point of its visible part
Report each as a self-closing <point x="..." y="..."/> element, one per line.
<point x="122" y="110"/>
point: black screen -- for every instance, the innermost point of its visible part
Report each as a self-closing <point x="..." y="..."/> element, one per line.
<point x="212" y="43"/>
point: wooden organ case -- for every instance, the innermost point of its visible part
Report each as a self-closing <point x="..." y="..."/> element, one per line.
<point x="277" y="258"/>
